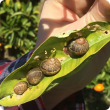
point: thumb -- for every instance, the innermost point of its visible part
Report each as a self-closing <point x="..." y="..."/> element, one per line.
<point x="100" y="11"/>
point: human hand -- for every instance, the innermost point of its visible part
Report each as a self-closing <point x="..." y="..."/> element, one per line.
<point x="60" y="16"/>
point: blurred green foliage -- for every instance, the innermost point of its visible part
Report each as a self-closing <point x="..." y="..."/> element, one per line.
<point x="104" y="78"/>
<point x="19" y="22"/>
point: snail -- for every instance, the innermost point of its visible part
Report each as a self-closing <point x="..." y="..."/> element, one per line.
<point x="50" y="66"/>
<point x="20" y="87"/>
<point x="78" y="46"/>
<point x="34" y="76"/>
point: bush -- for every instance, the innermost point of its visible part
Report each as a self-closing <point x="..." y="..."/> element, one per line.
<point x="103" y="78"/>
<point x="19" y="22"/>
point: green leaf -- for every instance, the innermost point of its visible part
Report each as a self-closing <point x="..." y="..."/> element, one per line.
<point x="3" y="23"/>
<point x="29" y="8"/>
<point x="18" y="21"/>
<point x="27" y="43"/>
<point x="19" y="40"/>
<point x="9" y="10"/>
<point x="24" y="7"/>
<point x="8" y="46"/>
<point x="2" y="28"/>
<point x="11" y="4"/>
<point x="16" y="28"/>
<point x="2" y="11"/>
<point x="97" y="38"/>
<point x="31" y="34"/>
<point x="103" y="74"/>
<point x="15" y="7"/>
<point x="107" y="87"/>
<point x="106" y="77"/>
<point x="3" y="32"/>
<point x="21" y="33"/>
<point x="18" y="13"/>
<point x="12" y="21"/>
<point x="35" y="18"/>
<point x="8" y="18"/>
<point x="98" y="77"/>
<point x="26" y="28"/>
<point x="7" y="33"/>
<point x="28" y="24"/>
<point x="94" y="81"/>
<point x="24" y="21"/>
<point x="21" y="43"/>
<point x="4" y="5"/>
<point x="34" y="10"/>
<point x="12" y="38"/>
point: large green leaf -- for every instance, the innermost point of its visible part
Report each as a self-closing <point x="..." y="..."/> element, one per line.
<point x="31" y="34"/>
<point x="6" y="25"/>
<point x="2" y="28"/>
<point x="35" y="18"/>
<point x="97" y="34"/>
<point x="29" y="8"/>
<point x="12" y="38"/>
<point x="2" y="10"/>
<point x="18" y="13"/>
<point x="24" y="21"/>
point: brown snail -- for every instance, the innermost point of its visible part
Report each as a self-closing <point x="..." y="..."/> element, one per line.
<point x="34" y="76"/>
<point x="20" y="87"/>
<point x="78" y="46"/>
<point x="50" y="66"/>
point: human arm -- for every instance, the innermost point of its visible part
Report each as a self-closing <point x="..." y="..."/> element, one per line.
<point x="60" y="16"/>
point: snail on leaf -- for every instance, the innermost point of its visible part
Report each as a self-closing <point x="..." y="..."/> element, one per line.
<point x="20" y="87"/>
<point x="50" y="66"/>
<point x="79" y="46"/>
<point x="34" y="76"/>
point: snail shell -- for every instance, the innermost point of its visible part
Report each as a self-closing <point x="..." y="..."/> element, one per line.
<point x="78" y="47"/>
<point x="20" y="87"/>
<point x="34" y="76"/>
<point x="50" y="66"/>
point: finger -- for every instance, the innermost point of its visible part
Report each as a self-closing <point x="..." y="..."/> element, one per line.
<point x="100" y="11"/>
<point x="55" y="16"/>
<point x="64" y="10"/>
<point x="56" y="11"/>
<point x="80" y="7"/>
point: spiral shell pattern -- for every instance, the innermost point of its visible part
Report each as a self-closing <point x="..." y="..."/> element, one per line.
<point x="20" y="87"/>
<point x="34" y="76"/>
<point x="50" y="66"/>
<point x="78" y="46"/>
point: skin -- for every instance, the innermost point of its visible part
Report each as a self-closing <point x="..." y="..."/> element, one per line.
<point x="61" y="15"/>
